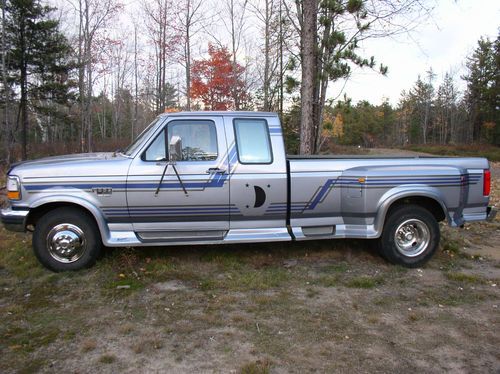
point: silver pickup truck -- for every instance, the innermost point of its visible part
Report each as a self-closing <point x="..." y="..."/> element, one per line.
<point x="223" y="177"/>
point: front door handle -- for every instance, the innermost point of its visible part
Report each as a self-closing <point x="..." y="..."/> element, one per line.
<point x="216" y="171"/>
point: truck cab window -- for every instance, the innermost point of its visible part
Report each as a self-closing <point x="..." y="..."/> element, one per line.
<point x="199" y="141"/>
<point x="252" y="141"/>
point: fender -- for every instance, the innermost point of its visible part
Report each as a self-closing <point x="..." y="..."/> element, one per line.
<point x="402" y="192"/>
<point x="94" y="210"/>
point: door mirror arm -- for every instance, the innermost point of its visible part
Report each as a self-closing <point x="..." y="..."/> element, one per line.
<point x="174" y="154"/>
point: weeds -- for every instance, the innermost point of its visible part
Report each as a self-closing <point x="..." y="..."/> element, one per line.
<point x="107" y="358"/>
<point x="365" y="282"/>
<point x="257" y="367"/>
<point x="465" y="278"/>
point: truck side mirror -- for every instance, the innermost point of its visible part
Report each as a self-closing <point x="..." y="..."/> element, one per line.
<point x="175" y="149"/>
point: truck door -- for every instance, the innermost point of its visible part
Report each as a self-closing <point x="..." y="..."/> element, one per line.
<point x="202" y="213"/>
<point x="257" y="165"/>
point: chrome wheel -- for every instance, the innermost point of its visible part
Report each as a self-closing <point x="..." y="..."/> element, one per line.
<point x="66" y="243"/>
<point x="412" y="237"/>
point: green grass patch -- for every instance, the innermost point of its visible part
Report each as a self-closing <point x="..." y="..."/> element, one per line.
<point x="451" y="246"/>
<point x="33" y="366"/>
<point x="126" y="284"/>
<point x="365" y="282"/>
<point x="341" y="267"/>
<point x="465" y="278"/>
<point x="107" y="358"/>
<point x="449" y="295"/>
<point x="30" y="340"/>
<point x="257" y="367"/>
<point x="226" y="260"/>
<point x="246" y="279"/>
<point x="327" y="281"/>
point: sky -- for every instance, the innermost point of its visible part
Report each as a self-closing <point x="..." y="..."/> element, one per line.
<point x="442" y="43"/>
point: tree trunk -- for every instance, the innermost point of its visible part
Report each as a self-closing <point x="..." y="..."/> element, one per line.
<point x="88" y="65"/>
<point x="267" y="36"/>
<point x="24" y="94"/>
<point x="81" y="78"/>
<point x="281" y="41"/>
<point x="188" y="68"/>
<point x="308" y="39"/>
<point x="6" y="125"/>
<point x="233" y="50"/>
<point x="136" y="74"/>
<point x="187" y="54"/>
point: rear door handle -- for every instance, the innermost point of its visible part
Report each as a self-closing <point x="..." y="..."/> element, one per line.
<point x="216" y="171"/>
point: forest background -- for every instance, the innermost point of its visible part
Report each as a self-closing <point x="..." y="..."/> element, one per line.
<point x="89" y="75"/>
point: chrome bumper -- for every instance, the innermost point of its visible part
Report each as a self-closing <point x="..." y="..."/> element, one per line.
<point x="491" y="213"/>
<point x="14" y="219"/>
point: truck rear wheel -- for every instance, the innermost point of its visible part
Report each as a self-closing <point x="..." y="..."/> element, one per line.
<point x="410" y="236"/>
<point x="66" y="239"/>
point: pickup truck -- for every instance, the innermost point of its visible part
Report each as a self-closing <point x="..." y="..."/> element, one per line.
<point x="224" y="177"/>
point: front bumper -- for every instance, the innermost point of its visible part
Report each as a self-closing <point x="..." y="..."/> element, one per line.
<point x="14" y="219"/>
<point x="491" y="213"/>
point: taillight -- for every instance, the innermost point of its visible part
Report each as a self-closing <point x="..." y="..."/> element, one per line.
<point x="486" y="182"/>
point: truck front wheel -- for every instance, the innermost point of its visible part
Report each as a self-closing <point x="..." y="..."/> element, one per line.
<point x="410" y="236"/>
<point x="66" y="239"/>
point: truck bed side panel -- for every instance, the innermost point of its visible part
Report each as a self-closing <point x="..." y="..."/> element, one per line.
<point x="349" y="194"/>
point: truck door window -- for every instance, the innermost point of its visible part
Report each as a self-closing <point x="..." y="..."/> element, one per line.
<point x="252" y="141"/>
<point x="199" y="141"/>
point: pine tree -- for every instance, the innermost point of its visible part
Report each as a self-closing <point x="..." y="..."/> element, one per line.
<point x="483" y="91"/>
<point x="37" y="58"/>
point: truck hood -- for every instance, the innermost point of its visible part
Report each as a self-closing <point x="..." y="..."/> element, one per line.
<point x="83" y="164"/>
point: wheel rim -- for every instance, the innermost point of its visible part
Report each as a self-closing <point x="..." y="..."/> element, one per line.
<point x="66" y="243"/>
<point x="412" y="237"/>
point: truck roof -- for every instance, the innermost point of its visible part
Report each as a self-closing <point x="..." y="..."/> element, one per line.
<point x="220" y="113"/>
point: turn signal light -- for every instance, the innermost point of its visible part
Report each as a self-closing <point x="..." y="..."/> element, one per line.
<point x="14" y="195"/>
<point x="486" y="182"/>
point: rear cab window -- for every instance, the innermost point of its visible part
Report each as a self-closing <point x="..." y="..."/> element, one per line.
<point x="253" y="142"/>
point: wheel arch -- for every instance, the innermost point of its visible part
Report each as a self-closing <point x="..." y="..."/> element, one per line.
<point x="431" y="200"/>
<point x="42" y="206"/>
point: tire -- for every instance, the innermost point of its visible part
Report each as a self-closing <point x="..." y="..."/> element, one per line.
<point x="66" y="239"/>
<point x="410" y="236"/>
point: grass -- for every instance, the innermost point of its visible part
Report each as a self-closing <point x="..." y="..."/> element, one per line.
<point x="107" y="358"/>
<point x="88" y="345"/>
<point x="365" y="282"/>
<point x="240" y="305"/>
<point x="465" y="278"/>
<point x="257" y="367"/>
<point x="327" y="281"/>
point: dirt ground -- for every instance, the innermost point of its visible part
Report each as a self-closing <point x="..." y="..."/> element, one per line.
<point x="324" y="306"/>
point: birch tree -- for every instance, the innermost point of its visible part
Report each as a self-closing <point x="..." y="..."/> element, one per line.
<point x="233" y="18"/>
<point x="191" y="19"/>
<point x="93" y="16"/>
<point x="161" y="23"/>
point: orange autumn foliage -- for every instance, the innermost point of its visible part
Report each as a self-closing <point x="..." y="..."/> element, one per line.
<point x="216" y="81"/>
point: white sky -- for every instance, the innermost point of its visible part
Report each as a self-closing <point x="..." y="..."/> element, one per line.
<point x="442" y="43"/>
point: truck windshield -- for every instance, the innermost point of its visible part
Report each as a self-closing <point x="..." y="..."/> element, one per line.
<point x="143" y="135"/>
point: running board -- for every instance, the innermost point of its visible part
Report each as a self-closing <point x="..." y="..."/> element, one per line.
<point x="126" y="238"/>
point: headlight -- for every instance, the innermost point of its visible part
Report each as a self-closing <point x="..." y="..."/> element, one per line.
<point x="13" y="188"/>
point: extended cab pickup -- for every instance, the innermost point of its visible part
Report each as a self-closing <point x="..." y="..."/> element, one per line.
<point x="223" y="177"/>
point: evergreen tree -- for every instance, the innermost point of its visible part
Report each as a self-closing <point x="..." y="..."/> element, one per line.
<point x="37" y="57"/>
<point x="483" y="92"/>
<point x="421" y="96"/>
